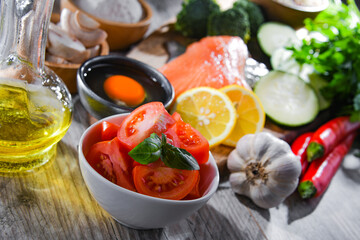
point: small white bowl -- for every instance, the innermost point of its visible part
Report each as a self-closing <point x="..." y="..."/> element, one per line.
<point x="133" y="209"/>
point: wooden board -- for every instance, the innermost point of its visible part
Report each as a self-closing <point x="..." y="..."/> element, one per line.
<point x="154" y="51"/>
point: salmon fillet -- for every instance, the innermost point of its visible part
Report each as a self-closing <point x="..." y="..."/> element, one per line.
<point x="214" y="61"/>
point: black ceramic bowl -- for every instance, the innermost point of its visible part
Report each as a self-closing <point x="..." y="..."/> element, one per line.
<point x="93" y="72"/>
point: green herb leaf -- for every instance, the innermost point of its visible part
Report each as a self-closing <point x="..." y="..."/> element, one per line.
<point x="147" y="151"/>
<point x="153" y="148"/>
<point x="338" y="58"/>
<point x="178" y="158"/>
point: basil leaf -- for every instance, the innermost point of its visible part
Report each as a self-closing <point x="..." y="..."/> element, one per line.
<point x="178" y="158"/>
<point x="153" y="148"/>
<point x="163" y="139"/>
<point x="147" y="151"/>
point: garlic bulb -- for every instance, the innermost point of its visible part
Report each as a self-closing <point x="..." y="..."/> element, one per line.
<point x="263" y="168"/>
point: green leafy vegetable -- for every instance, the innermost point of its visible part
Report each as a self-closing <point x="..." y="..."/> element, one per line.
<point x="337" y="58"/>
<point x="256" y="17"/>
<point x="201" y="18"/>
<point x="153" y="148"/>
<point x="147" y="151"/>
<point x="178" y="158"/>
<point x="232" y="22"/>
<point x="192" y="20"/>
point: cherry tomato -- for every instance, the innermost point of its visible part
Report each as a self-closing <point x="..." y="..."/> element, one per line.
<point x="144" y="120"/>
<point x="190" y="139"/>
<point x="157" y="180"/>
<point x="109" y="160"/>
<point x="108" y="130"/>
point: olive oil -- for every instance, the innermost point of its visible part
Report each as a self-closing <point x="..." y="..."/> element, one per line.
<point x="32" y="121"/>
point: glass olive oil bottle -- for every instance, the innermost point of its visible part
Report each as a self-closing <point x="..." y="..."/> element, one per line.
<point x="35" y="105"/>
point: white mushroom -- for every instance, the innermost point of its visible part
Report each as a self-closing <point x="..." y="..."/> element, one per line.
<point x="61" y="44"/>
<point x="94" y="51"/>
<point x="86" y="22"/>
<point x="55" y="59"/>
<point x="83" y="30"/>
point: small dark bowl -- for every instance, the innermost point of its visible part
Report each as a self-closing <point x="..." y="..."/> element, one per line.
<point x="93" y="72"/>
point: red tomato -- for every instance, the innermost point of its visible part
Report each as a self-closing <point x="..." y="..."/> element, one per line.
<point x="191" y="139"/>
<point x="144" y="120"/>
<point x="195" y="192"/>
<point x="172" y="138"/>
<point x="109" y="160"/>
<point x="108" y="130"/>
<point x="157" y="180"/>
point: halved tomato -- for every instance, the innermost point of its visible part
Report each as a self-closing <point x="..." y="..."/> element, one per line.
<point x="109" y="160"/>
<point x="195" y="192"/>
<point x="191" y="139"/>
<point x="108" y="130"/>
<point x="143" y="121"/>
<point x="157" y="180"/>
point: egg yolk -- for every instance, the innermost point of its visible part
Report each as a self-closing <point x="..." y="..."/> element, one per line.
<point x="124" y="89"/>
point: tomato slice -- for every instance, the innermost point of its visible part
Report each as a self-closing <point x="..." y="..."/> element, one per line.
<point x="191" y="139"/>
<point x="108" y="130"/>
<point x="109" y="160"/>
<point x="157" y="180"/>
<point x="144" y="120"/>
<point x="195" y="192"/>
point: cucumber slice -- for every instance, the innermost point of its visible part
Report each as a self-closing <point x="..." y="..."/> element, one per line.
<point x="287" y="99"/>
<point x="281" y="57"/>
<point x="274" y="35"/>
<point x="283" y="61"/>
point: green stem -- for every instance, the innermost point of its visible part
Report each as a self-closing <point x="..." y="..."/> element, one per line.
<point x="314" y="151"/>
<point x="307" y="189"/>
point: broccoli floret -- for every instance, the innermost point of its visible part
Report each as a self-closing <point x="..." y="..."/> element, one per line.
<point x="193" y="17"/>
<point x="256" y="16"/>
<point x="232" y="22"/>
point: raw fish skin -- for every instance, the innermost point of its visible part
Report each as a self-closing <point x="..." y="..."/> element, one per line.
<point x="215" y="61"/>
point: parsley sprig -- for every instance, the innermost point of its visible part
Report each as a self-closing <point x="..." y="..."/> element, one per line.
<point x="338" y="59"/>
<point x="154" y="147"/>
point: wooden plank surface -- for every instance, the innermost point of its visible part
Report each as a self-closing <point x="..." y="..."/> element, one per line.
<point x="54" y="203"/>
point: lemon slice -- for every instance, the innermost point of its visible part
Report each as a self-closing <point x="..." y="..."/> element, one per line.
<point x="208" y="110"/>
<point x="250" y="113"/>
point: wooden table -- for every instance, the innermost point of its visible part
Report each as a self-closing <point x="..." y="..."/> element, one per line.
<point x="54" y="203"/>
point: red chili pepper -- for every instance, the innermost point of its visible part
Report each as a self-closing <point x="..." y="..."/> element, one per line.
<point x="329" y="135"/>
<point x="319" y="174"/>
<point x="299" y="149"/>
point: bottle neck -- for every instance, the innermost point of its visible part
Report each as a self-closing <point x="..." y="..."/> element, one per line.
<point x="23" y="32"/>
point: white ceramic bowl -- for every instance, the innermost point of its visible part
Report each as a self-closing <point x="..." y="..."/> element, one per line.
<point x="133" y="209"/>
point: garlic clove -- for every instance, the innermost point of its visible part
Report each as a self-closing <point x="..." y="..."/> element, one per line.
<point x="238" y="163"/>
<point x="268" y="149"/>
<point x="263" y="197"/>
<point x="238" y="183"/>
<point x="282" y="189"/>
<point x="247" y="154"/>
<point x="284" y="169"/>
